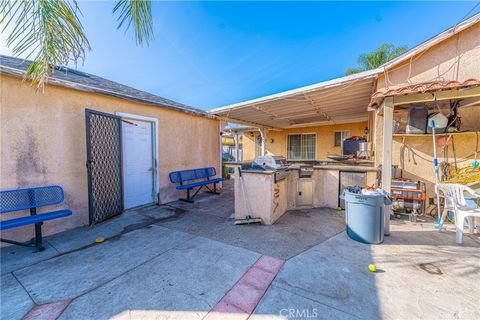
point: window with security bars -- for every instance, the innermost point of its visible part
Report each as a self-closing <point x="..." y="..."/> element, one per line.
<point x="301" y="146"/>
<point x="339" y="137"/>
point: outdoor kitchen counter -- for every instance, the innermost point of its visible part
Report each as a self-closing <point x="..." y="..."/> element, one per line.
<point x="326" y="180"/>
<point x="259" y="195"/>
<point x="258" y="171"/>
<point x="360" y="168"/>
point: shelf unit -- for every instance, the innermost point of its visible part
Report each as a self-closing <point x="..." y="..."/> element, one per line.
<point x="436" y="134"/>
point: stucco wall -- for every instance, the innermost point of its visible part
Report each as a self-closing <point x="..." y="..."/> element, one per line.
<point x="254" y="196"/>
<point x="456" y="58"/>
<point x="43" y="142"/>
<point x="248" y="147"/>
<point x="325" y="139"/>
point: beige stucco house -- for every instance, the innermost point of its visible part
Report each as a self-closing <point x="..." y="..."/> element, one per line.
<point x="44" y="140"/>
<point x="325" y="140"/>
<point x="441" y="72"/>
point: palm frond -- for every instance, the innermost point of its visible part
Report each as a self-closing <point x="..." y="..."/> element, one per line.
<point x="384" y="53"/>
<point x="48" y="29"/>
<point x="136" y="13"/>
<point x="397" y="51"/>
<point x="353" y="71"/>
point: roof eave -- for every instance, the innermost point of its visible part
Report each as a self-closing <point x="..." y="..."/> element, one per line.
<point x="302" y="90"/>
<point x="84" y="88"/>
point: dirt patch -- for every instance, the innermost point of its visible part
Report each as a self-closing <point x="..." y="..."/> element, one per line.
<point x="29" y="162"/>
<point x="430" y="268"/>
<point x="299" y="213"/>
<point x="178" y="213"/>
<point x="136" y="226"/>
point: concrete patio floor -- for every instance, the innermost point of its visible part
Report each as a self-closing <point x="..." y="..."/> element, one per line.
<point x="181" y="261"/>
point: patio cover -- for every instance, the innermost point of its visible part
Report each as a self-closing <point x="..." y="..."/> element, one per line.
<point x="341" y="100"/>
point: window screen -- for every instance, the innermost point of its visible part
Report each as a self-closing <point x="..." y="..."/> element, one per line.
<point x="339" y="137"/>
<point x="301" y="146"/>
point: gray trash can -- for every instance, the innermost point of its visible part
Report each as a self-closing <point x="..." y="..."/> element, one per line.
<point x="364" y="217"/>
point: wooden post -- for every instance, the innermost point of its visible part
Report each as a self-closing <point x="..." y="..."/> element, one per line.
<point x="387" y="155"/>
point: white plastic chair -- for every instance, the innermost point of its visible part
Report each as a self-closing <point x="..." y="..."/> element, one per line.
<point x="454" y="195"/>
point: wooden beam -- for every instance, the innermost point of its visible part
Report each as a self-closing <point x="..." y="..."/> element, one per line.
<point x="272" y="114"/>
<point x="311" y="124"/>
<point x="296" y="115"/>
<point x="388" y="107"/>
<point x="244" y="122"/>
<point x="317" y="107"/>
<point x="439" y="95"/>
<point x="468" y="102"/>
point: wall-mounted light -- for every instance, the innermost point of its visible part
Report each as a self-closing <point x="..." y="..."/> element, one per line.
<point x="366" y="130"/>
<point x="272" y="141"/>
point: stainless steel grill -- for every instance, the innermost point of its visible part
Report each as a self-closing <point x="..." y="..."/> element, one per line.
<point x="276" y="163"/>
<point x="271" y="162"/>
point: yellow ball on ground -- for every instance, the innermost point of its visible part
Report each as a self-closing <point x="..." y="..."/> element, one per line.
<point x="99" y="239"/>
<point x="372" y="268"/>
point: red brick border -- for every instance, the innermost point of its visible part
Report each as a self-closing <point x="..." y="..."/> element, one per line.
<point x="243" y="297"/>
<point x="48" y="311"/>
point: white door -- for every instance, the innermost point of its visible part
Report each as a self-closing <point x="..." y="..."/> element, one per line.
<point x="138" y="163"/>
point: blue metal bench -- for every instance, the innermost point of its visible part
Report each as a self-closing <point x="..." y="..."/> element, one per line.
<point x="31" y="198"/>
<point x="184" y="176"/>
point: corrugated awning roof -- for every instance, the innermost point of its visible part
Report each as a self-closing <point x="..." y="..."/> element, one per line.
<point x="342" y="100"/>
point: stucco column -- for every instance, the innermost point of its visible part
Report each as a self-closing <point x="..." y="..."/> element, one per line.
<point x="388" y="108"/>
<point x="236" y="139"/>
<point x="221" y="127"/>
<point x="263" y="135"/>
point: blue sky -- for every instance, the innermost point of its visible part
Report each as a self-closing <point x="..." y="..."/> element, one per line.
<point x="209" y="54"/>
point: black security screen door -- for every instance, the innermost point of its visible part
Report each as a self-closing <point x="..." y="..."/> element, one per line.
<point x="104" y="165"/>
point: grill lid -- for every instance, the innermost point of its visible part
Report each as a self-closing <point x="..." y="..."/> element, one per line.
<point x="272" y="162"/>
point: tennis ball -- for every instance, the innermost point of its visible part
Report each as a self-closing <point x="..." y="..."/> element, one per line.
<point x="372" y="268"/>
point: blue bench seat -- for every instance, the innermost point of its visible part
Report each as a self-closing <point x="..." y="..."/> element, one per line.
<point x="31" y="199"/>
<point x="198" y="184"/>
<point x="23" y="221"/>
<point x="201" y="177"/>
